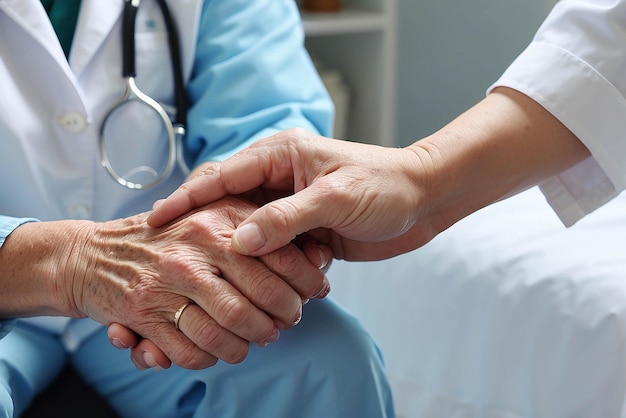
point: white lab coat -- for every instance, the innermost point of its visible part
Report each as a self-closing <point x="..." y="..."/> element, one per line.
<point x="576" y="68"/>
<point x="49" y="174"/>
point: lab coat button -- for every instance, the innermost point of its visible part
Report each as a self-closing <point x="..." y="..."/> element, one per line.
<point x="79" y="211"/>
<point x="73" y="122"/>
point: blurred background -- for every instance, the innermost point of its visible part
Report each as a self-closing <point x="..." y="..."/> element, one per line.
<point x="401" y="69"/>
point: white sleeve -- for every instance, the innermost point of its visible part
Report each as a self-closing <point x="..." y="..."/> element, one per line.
<point x="576" y="68"/>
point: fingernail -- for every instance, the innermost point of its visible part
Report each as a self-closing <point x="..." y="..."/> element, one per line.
<point x="325" y="290"/>
<point x="299" y="318"/>
<point x="151" y="362"/>
<point x="117" y="343"/>
<point x="248" y="238"/>
<point x="271" y="339"/>
<point x="137" y="365"/>
<point x="274" y="337"/>
<point x="323" y="260"/>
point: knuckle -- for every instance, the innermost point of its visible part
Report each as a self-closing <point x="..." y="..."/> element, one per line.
<point x="209" y="335"/>
<point x="296" y="270"/>
<point x="210" y="169"/>
<point x="173" y="261"/>
<point x="213" y="338"/>
<point x="196" y="360"/>
<point x="233" y="312"/>
<point x="296" y="133"/>
<point x="184" y="269"/>
<point x="237" y="356"/>
<point x="190" y="356"/>
<point x="343" y="191"/>
<point x="281" y="216"/>
<point x="287" y="261"/>
<point x="267" y="291"/>
<point x="197" y="226"/>
<point x="277" y="214"/>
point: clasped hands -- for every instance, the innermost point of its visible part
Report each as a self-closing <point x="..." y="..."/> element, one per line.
<point x="229" y="299"/>
<point x="354" y="201"/>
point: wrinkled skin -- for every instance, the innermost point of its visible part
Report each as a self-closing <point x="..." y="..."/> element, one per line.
<point x="131" y="274"/>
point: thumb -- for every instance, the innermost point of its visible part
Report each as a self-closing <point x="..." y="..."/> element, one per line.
<point x="277" y="223"/>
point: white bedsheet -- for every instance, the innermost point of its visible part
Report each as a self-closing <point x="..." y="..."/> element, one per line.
<point x="507" y="314"/>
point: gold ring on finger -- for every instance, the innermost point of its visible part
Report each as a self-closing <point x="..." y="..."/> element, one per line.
<point x="179" y="313"/>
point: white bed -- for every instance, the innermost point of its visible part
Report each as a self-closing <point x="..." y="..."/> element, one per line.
<point x="507" y="314"/>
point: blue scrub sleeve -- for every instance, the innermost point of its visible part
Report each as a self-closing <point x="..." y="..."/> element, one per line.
<point x="251" y="78"/>
<point x="7" y="225"/>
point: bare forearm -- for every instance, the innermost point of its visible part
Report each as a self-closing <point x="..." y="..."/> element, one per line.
<point x="370" y="203"/>
<point x="505" y="144"/>
<point x="33" y="261"/>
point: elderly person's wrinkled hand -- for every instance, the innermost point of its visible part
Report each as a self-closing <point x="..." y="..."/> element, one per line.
<point x="236" y="299"/>
<point x="123" y="271"/>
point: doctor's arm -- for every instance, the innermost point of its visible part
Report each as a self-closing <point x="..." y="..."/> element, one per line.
<point x="368" y="202"/>
<point x="565" y="90"/>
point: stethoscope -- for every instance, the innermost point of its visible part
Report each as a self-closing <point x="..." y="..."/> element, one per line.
<point x="174" y="130"/>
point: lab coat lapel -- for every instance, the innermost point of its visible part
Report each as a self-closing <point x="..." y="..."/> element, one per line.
<point x="32" y="17"/>
<point x="95" y="23"/>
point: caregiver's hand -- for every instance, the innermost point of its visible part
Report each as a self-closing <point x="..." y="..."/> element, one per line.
<point x="374" y="202"/>
<point x="358" y="194"/>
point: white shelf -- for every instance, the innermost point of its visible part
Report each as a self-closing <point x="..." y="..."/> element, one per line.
<point x="359" y="43"/>
<point x="342" y="22"/>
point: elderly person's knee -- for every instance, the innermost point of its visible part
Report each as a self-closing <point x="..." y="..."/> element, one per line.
<point x="340" y="341"/>
<point x="12" y="392"/>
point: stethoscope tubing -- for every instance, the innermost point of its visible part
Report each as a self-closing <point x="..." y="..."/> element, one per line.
<point x="133" y="93"/>
<point x="175" y="130"/>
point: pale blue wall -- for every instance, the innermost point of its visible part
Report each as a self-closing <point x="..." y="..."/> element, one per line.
<point x="450" y="51"/>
